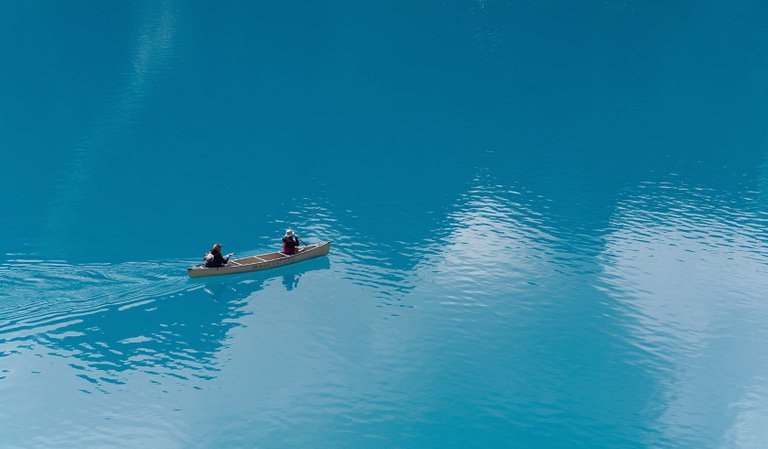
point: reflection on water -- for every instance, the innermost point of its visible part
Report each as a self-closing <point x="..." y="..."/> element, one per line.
<point x="533" y="245"/>
<point x="152" y="50"/>
<point x="106" y="320"/>
<point x="493" y="233"/>
<point x="291" y="281"/>
<point x="689" y="269"/>
<point x="489" y="232"/>
<point x="495" y="307"/>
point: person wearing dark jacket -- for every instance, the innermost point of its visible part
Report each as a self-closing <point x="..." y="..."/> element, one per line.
<point x="213" y="258"/>
<point x="290" y="242"/>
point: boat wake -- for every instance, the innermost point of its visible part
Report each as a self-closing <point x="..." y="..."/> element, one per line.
<point x="37" y="294"/>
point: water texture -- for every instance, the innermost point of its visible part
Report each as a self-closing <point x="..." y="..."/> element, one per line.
<point x="548" y="224"/>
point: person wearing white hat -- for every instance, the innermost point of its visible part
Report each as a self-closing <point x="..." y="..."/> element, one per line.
<point x="290" y="242"/>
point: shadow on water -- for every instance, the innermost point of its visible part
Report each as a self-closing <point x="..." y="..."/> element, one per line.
<point x="171" y="333"/>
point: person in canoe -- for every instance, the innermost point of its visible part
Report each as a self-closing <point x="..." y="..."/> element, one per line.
<point x="290" y="242"/>
<point x="213" y="258"/>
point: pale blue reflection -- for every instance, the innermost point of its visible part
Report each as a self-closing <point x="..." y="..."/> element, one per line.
<point x="493" y="235"/>
<point x="686" y="266"/>
<point x="136" y="345"/>
<point x="151" y="52"/>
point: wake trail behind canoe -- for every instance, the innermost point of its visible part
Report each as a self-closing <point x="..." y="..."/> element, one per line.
<point x="39" y="294"/>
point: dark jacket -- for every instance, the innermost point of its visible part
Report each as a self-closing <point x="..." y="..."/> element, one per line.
<point x="290" y="244"/>
<point x="217" y="260"/>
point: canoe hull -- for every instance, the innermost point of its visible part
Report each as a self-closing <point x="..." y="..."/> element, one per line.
<point x="262" y="261"/>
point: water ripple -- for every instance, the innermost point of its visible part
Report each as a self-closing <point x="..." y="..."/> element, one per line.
<point x="688" y="267"/>
<point x="110" y="321"/>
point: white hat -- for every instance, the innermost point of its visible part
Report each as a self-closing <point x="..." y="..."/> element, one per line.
<point x="288" y="232"/>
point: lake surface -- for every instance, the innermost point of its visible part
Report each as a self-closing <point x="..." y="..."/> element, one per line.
<point x="548" y="224"/>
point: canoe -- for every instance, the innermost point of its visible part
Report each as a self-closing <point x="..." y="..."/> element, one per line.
<point x="262" y="261"/>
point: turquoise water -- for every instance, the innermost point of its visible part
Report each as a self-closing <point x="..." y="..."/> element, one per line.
<point x="548" y="219"/>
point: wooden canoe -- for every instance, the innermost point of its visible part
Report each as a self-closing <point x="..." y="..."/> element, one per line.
<point x="262" y="261"/>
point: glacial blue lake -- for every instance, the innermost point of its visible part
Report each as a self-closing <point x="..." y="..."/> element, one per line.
<point x="548" y="223"/>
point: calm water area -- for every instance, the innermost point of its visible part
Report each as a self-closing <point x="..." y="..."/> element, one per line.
<point x="548" y="223"/>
